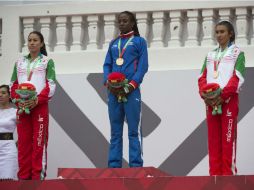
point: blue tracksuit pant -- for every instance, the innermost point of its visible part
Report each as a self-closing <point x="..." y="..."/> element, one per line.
<point x="117" y="113"/>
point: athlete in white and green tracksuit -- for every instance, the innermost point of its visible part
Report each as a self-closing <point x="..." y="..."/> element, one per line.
<point x="33" y="127"/>
<point x="222" y="129"/>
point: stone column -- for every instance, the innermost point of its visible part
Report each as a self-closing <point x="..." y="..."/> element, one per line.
<point x="143" y="24"/>
<point x="242" y="26"/>
<point x="28" y="25"/>
<point x="208" y="27"/>
<point x="61" y="33"/>
<point x="92" y="21"/>
<point x="176" y="28"/>
<point x="193" y="28"/>
<point x="77" y="34"/>
<point x="252" y="20"/>
<point x="158" y="29"/>
<point x="110" y="31"/>
<point x="46" y="31"/>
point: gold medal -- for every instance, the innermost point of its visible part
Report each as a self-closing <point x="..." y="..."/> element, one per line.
<point x="215" y="74"/>
<point x="119" y="61"/>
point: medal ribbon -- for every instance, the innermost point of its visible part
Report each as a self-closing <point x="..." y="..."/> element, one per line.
<point x="124" y="48"/>
<point x="218" y="58"/>
<point x="30" y="71"/>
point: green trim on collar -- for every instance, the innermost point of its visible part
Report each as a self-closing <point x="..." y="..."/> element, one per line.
<point x="29" y="56"/>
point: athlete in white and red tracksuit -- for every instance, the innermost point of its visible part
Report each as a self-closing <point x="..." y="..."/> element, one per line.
<point x="225" y="66"/>
<point x="33" y="128"/>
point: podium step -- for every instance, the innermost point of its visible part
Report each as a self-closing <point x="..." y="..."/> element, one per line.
<point x="147" y="178"/>
<point x="138" y="172"/>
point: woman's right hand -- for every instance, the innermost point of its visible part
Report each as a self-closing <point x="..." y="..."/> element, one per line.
<point x="114" y="91"/>
<point x="28" y="103"/>
<point x="31" y="103"/>
<point x="209" y="102"/>
<point x="21" y="104"/>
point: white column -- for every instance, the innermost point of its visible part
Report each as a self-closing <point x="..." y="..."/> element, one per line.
<point x="28" y="25"/>
<point x="143" y="24"/>
<point x="61" y="33"/>
<point x="252" y="20"/>
<point x="225" y="14"/>
<point x="0" y="44"/>
<point x="176" y="28"/>
<point x="77" y="34"/>
<point x="92" y="31"/>
<point x="208" y="27"/>
<point x="158" y="29"/>
<point x="242" y="26"/>
<point x="110" y="31"/>
<point x="46" y="31"/>
<point x="193" y="28"/>
<point x="0" y="37"/>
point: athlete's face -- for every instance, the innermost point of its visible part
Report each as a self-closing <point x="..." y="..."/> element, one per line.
<point x="125" y="24"/>
<point x="34" y="43"/>
<point x="222" y="35"/>
<point x="4" y="96"/>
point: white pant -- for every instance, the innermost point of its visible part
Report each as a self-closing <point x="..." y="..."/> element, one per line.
<point x="8" y="159"/>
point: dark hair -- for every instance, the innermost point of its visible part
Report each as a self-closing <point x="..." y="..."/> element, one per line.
<point x="43" y="48"/>
<point x="230" y="28"/>
<point x="7" y="88"/>
<point x="134" y="20"/>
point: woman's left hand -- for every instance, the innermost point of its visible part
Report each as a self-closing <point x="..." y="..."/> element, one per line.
<point x="218" y="101"/>
<point x="128" y="89"/>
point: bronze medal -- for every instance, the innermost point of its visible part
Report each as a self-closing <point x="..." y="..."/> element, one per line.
<point x="119" y="61"/>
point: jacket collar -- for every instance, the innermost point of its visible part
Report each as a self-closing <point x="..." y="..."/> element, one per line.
<point x="127" y="35"/>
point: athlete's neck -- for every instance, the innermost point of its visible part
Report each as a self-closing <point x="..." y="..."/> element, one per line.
<point x="5" y="105"/>
<point x="225" y="46"/>
<point x="33" y="55"/>
<point x="127" y="35"/>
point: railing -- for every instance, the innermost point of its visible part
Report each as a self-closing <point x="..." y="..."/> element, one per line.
<point x="174" y="28"/>
<point x="83" y="31"/>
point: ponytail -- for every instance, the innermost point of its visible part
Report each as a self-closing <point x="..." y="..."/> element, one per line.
<point x="43" y="50"/>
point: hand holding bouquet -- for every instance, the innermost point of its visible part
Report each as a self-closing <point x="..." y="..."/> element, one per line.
<point x="116" y="83"/>
<point x="211" y="92"/>
<point x="26" y="92"/>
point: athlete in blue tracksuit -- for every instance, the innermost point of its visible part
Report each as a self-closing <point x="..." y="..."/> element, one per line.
<point x="133" y="50"/>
